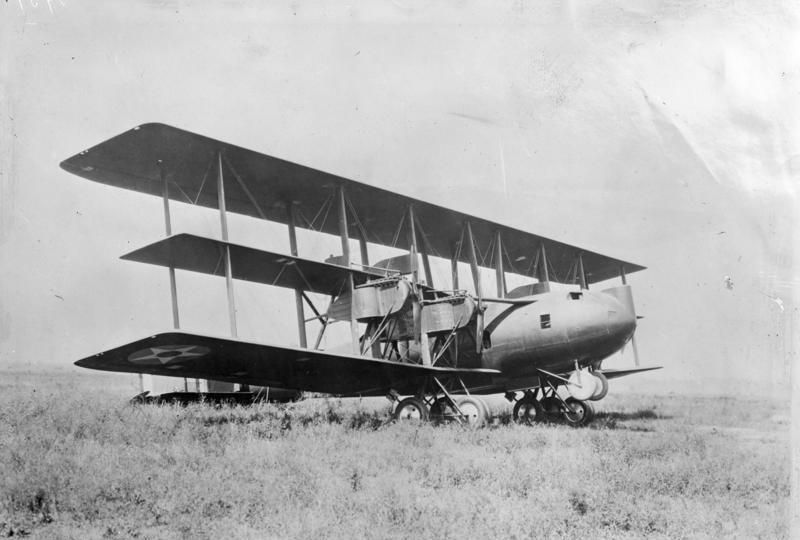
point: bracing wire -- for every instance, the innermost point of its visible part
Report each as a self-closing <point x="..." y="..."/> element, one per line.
<point x="203" y="183"/>
<point x="399" y="230"/>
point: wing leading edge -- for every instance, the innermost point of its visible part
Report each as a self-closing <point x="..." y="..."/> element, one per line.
<point x="179" y="354"/>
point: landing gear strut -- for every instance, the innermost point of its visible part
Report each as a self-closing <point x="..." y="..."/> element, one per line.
<point x="468" y="410"/>
<point x="544" y="404"/>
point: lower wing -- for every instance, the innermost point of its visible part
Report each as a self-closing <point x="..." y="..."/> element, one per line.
<point x="178" y="354"/>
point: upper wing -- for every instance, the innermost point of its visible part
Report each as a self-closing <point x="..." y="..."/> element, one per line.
<point x="179" y="354"/>
<point x="199" y="254"/>
<point x="262" y="186"/>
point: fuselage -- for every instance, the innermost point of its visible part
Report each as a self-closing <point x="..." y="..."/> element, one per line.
<point x="557" y="330"/>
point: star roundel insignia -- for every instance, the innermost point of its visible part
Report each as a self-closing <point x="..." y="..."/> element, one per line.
<point x="165" y="354"/>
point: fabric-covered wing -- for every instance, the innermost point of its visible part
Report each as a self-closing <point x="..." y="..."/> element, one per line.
<point x="205" y="255"/>
<point x="133" y="159"/>
<point x="179" y="354"/>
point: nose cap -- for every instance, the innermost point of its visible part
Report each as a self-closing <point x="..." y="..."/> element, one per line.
<point x="621" y="312"/>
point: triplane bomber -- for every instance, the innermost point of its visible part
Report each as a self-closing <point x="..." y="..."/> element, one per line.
<point x="441" y="347"/>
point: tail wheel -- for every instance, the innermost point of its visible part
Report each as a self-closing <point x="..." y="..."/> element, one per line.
<point x="528" y="411"/>
<point x="581" y="414"/>
<point x="413" y="409"/>
<point x="473" y="410"/>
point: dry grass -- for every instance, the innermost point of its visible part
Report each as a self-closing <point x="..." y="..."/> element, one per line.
<point x="88" y="465"/>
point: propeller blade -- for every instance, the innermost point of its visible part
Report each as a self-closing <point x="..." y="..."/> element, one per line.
<point x="635" y="351"/>
<point x="479" y="328"/>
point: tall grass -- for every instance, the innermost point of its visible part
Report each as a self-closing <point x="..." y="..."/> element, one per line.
<point x="90" y="465"/>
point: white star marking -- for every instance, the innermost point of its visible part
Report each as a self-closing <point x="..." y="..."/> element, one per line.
<point x="167" y="354"/>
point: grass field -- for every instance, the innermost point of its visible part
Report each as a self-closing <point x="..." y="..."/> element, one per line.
<point x="79" y="462"/>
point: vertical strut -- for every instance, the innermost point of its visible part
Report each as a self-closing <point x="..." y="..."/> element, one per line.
<point x="473" y="261"/>
<point x="420" y="336"/>
<point x="476" y="276"/>
<point x="582" y="273"/>
<point x="168" y="226"/>
<point x="454" y="269"/>
<point x="498" y="265"/>
<point x="346" y="255"/>
<point x="371" y="328"/>
<point x="223" y="219"/>
<point x="545" y="275"/>
<point x="362" y="244"/>
<point x="426" y="264"/>
<point x="147" y="380"/>
<point x="298" y="294"/>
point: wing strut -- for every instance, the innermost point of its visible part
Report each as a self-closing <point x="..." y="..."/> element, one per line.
<point x="223" y="220"/>
<point x="346" y="255"/>
<point x="582" y="273"/>
<point x="498" y="265"/>
<point x="173" y="288"/>
<point x="544" y="275"/>
<point x="298" y="294"/>
<point x="419" y="336"/>
<point x="476" y="276"/>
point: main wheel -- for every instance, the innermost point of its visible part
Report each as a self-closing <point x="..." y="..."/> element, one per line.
<point x="528" y="411"/>
<point x="581" y="414"/>
<point x="411" y="408"/>
<point x="473" y="410"/>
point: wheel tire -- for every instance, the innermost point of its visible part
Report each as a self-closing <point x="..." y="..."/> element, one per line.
<point x="474" y="411"/>
<point x="411" y="409"/>
<point x="582" y="415"/>
<point x="602" y="386"/>
<point x="528" y="411"/>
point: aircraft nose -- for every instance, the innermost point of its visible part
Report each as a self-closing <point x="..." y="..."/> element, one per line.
<point x="621" y="312"/>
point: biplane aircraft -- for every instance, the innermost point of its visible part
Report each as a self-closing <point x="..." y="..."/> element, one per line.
<point x="443" y="347"/>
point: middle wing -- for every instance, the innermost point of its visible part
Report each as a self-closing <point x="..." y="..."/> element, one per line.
<point x="205" y="255"/>
<point x="179" y="354"/>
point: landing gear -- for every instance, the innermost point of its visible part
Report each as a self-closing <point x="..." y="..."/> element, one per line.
<point x="413" y="409"/>
<point x="473" y="411"/>
<point x="545" y="404"/>
<point x="528" y="410"/>
<point x="442" y="411"/>
<point x="551" y="406"/>
<point x="578" y="413"/>
<point x="467" y="410"/>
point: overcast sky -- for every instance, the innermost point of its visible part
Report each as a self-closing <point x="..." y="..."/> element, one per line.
<point x="663" y="133"/>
